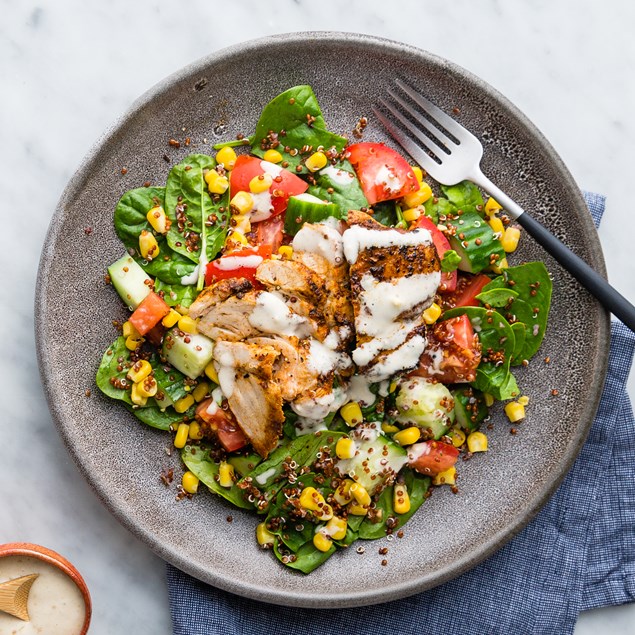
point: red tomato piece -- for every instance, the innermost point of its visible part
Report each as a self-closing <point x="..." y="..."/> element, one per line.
<point x="383" y="173"/>
<point x="149" y="313"/>
<point x="268" y="232"/>
<point x="237" y="264"/>
<point x="221" y="424"/>
<point x="442" y="244"/>
<point x="285" y="183"/>
<point x="467" y="297"/>
<point x="433" y="457"/>
<point x="453" y="352"/>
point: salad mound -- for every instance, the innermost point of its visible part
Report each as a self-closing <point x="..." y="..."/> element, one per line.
<point x="321" y="327"/>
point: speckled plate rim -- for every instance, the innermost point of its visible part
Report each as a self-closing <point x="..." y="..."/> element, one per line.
<point x="294" y="597"/>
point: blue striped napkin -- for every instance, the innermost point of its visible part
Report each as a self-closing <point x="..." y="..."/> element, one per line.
<point x="577" y="554"/>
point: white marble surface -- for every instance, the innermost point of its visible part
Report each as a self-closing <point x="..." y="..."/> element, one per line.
<point x="69" y="68"/>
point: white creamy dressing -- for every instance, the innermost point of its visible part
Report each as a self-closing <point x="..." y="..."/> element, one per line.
<point x="322" y="239"/>
<point x="323" y="359"/>
<point x="436" y="357"/>
<point x="272" y="169"/>
<point x="262" y="479"/>
<point x="406" y="356"/>
<point x="212" y="409"/>
<point x="192" y="278"/>
<point x="339" y="177"/>
<point x="359" y="390"/>
<point x="386" y="176"/>
<point x="272" y="315"/>
<point x="262" y="208"/>
<point x="217" y="394"/>
<point x="384" y="387"/>
<point x="320" y="407"/>
<point x="305" y="425"/>
<point x="225" y="368"/>
<point x="230" y="263"/>
<point x="417" y="450"/>
<point x="358" y="238"/>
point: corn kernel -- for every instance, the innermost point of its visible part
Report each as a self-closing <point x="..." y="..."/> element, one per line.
<point x="492" y="206"/>
<point x="316" y="162"/>
<point x="243" y="203"/>
<point x="458" y="437"/>
<point x="137" y="398"/>
<point x="523" y="401"/>
<point x="201" y="391"/>
<point x="447" y="477"/>
<point x="139" y="371"/>
<point x="389" y="428"/>
<point x="227" y="157"/>
<point x="171" y="319"/>
<point x="489" y="399"/>
<point x="264" y="537"/>
<point x="128" y="330"/>
<point x="148" y="246"/>
<point x="360" y="494"/>
<point x="216" y="184"/>
<point x="286" y="251"/>
<point x="351" y="413"/>
<point x="311" y="499"/>
<point x="414" y="199"/>
<point x="195" y="431"/>
<point x="515" y="411"/>
<point x="418" y="172"/>
<point x="336" y="528"/>
<point x="184" y="404"/>
<point x="211" y="373"/>
<point x="497" y="225"/>
<point x="189" y="482"/>
<point x="477" y="442"/>
<point x="243" y="224"/>
<point x="357" y="510"/>
<point x="393" y="386"/>
<point x="147" y="387"/>
<point x="342" y="494"/>
<point x="412" y="214"/>
<point x="133" y="343"/>
<point x="237" y="237"/>
<point x="158" y="220"/>
<point x="510" y="239"/>
<point x="432" y="313"/>
<point x="500" y="266"/>
<point x="188" y="325"/>
<point x="226" y="474"/>
<point x="182" y="432"/>
<point x="260" y="183"/>
<point x="273" y="156"/>
<point x="401" y="499"/>
<point x="345" y="448"/>
<point x="322" y="542"/>
<point x="408" y="436"/>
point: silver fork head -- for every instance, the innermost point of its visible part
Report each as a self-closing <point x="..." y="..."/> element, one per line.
<point x="444" y="148"/>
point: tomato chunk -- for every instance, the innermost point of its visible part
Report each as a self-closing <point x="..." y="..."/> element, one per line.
<point x="268" y="232"/>
<point x="237" y="264"/>
<point x="218" y="422"/>
<point x="433" y="457"/>
<point x="467" y="297"/>
<point x="441" y="244"/>
<point x="383" y="173"/>
<point x="149" y="313"/>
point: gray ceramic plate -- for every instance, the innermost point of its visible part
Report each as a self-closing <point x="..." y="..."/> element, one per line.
<point x="214" y="99"/>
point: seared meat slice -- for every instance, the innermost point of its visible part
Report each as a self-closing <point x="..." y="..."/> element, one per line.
<point x="292" y="278"/>
<point x="249" y="356"/>
<point x="229" y="320"/>
<point x="217" y="293"/>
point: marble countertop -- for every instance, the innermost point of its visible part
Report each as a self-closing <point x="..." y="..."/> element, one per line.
<point x="70" y="68"/>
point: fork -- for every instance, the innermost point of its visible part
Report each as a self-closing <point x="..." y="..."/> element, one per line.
<point x="450" y="154"/>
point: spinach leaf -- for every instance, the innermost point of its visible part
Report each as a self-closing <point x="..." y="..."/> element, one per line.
<point x="175" y="294"/>
<point x="389" y="214"/>
<point x="464" y="196"/>
<point x="450" y="261"/>
<point x="520" y="333"/>
<point x="169" y="380"/>
<point x="116" y="356"/>
<point x="497" y="297"/>
<point x="154" y="417"/>
<point x="339" y="185"/>
<point x="307" y="558"/>
<point x="295" y="117"/>
<point x="436" y="207"/>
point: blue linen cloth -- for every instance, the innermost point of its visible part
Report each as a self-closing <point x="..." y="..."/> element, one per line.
<point x="577" y="554"/>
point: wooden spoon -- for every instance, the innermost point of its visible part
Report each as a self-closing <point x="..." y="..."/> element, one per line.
<point x="14" y="595"/>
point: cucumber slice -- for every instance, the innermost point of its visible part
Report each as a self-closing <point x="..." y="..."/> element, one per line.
<point x="306" y="208"/>
<point x="131" y="282"/>
<point x="474" y="241"/>
<point x="469" y="408"/>
<point x="187" y="352"/>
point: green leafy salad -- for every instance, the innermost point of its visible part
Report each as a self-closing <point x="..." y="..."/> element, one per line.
<point x="320" y="327"/>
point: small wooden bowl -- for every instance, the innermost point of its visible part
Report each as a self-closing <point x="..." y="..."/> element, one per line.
<point x="55" y="559"/>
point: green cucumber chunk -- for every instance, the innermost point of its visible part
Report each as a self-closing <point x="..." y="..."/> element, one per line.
<point x="131" y="282"/>
<point x="469" y="408"/>
<point x="188" y="352"/>
<point x="306" y="208"/>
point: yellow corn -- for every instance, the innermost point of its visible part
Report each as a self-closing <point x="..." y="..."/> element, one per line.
<point x="351" y="413"/>
<point x="195" y="431"/>
<point x="311" y="499"/>
<point x="227" y="157"/>
<point x="242" y="224"/>
<point x="401" y="499"/>
<point x="432" y="313"/>
<point x="360" y="494"/>
<point x="237" y="237"/>
<point x="342" y="494"/>
<point x="389" y="428"/>
<point x="216" y="184"/>
<point x="322" y="542"/>
<point x="182" y="432"/>
<point x="392" y="387"/>
<point x="345" y="448"/>
<point x="418" y="172"/>
<point x="316" y="162"/>
<point x="189" y="482"/>
<point x="523" y="401"/>
<point x="336" y="528"/>
<point x="158" y="220"/>
<point x="357" y="510"/>
<point x="414" y="199"/>
<point x="458" y="437"/>
<point x="412" y="214"/>
<point x="260" y="183"/>
<point x="200" y="392"/>
<point x="147" y="387"/>
<point x="515" y="411"/>
<point x="188" y="325"/>
<point x="264" y="537"/>
<point x="137" y="398"/>
<point x="139" y="371"/>
<point x="500" y="266"/>
<point x="492" y="206"/>
<point x="510" y="239"/>
<point x="273" y="156"/>
<point x="408" y="436"/>
<point x="133" y="343"/>
<point x="184" y="404"/>
<point x="286" y="251"/>
<point x="225" y="474"/>
<point x="243" y="202"/>
<point x="171" y="319"/>
<point x="148" y="246"/>
<point x="128" y="330"/>
<point x="448" y="477"/>
<point x="497" y="225"/>
<point x="211" y="373"/>
<point x="489" y="399"/>
<point x="477" y="442"/>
